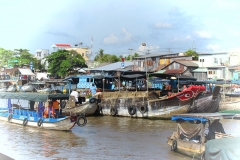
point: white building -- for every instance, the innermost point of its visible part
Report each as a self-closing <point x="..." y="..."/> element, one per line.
<point x="216" y="65"/>
<point x="41" y="55"/>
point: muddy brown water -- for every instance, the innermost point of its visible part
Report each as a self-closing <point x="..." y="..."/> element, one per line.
<point x="102" y="138"/>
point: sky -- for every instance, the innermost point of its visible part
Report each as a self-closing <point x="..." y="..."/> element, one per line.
<point x="172" y="26"/>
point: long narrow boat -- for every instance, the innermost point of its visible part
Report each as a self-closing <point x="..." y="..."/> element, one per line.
<point x="34" y="118"/>
<point x="154" y="103"/>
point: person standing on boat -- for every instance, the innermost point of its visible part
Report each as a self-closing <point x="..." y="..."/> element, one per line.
<point x="216" y="126"/>
<point x="56" y="107"/>
<point x="49" y="111"/>
<point x="93" y="89"/>
<point x="75" y="94"/>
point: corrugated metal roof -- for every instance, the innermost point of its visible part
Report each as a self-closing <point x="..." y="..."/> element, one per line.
<point x="113" y="66"/>
<point x="188" y="63"/>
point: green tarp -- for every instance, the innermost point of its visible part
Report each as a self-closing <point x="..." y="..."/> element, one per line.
<point x="223" y="149"/>
<point x="37" y="97"/>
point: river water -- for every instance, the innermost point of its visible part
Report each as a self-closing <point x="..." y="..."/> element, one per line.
<point x="104" y="137"/>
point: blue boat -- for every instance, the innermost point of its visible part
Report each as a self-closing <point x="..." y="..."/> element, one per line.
<point x="34" y="118"/>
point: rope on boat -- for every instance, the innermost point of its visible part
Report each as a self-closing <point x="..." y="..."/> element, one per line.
<point x="190" y="134"/>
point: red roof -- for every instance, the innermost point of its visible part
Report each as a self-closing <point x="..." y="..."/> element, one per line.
<point x="62" y="45"/>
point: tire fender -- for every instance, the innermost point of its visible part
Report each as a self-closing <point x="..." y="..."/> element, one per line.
<point x="25" y="121"/>
<point x="40" y="122"/>
<point x="92" y="100"/>
<point x="113" y="111"/>
<point x="132" y="110"/>
<point x="143" y="108"/>
<point x="9" y="117"/>
<point x="79" y="119"/>
<point x="174" y="145"/>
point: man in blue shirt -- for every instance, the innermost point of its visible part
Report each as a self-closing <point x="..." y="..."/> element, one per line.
<point x="93" y="89"/>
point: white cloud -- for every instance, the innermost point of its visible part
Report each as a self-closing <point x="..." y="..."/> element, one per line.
<point x="235" y="50"/>
<point x="148" y="49"/>
<point x="127" y="35"/>
<point x="186" y="38"/>
<point x="214" y="47"/>
<point x="111" y="39"/>
<point x="162" y="25"/>
<point x="223" y="4"/>
<point x="204" y="34"/>
<point x="233" y="32"/>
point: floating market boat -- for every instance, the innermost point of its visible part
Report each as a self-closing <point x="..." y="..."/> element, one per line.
<point x="152" y="103"/>
<point x="190" y="137"/>
<point x="34" y="117"/>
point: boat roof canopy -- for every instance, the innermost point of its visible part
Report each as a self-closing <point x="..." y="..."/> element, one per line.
<point x="203" y="117"/>
<point x="26" y="71"/>
<point x="37" y="97"/>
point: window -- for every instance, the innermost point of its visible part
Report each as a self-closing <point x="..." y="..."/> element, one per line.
<point x="209" y="72"/>
<point x="176" y="66"/>
<point x="215" y="60"/>
<point x="82" y="54"/>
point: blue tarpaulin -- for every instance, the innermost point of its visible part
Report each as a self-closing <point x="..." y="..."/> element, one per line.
<point x="175" y="118"/>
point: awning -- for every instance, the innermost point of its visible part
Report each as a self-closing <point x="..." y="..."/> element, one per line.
<point x="27" y="72"/>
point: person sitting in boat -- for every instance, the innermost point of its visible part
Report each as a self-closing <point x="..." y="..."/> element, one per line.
<point x="75" y="94"/>
<point x="56" y="107"/>
<point x="49" y="111"/>
<point x="215" y="126"/>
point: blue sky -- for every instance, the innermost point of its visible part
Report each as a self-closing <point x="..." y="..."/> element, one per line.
<point x="115" y="26"/>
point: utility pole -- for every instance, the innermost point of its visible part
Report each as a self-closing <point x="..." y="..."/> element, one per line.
<point x="131" y="53"/>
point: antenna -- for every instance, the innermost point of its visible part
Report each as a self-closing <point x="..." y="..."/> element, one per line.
<point x="193" y="46"/>
<point x="131" y="53"/>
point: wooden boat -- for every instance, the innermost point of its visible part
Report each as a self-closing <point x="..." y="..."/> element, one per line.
<point x="153" y="103"/>
<point x="27" y="88"/>
<point x="33" y="118"/>
<point x="87" y="108"/>
<point x="206" y="102"/>
<point x="12" y="88"/>
<point x="44" y="90"/>
<point x="4" y="89"/>
<point x="190" y="138"/>
<point x="8" y="85"/>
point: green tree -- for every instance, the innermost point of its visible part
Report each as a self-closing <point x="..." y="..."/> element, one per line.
<point x="192" y="53"/>
<point x="22" y="57"/>
<point x="62" y="62"/>
<point x="5" y="57"/>
<point x="101" y="57"/>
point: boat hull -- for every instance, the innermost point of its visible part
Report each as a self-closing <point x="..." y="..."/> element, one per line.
<point x="63" y="124"/>
<point x="87" y="109"/>
<point x="139" y="104"/>
<point x="188" y="148"/>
